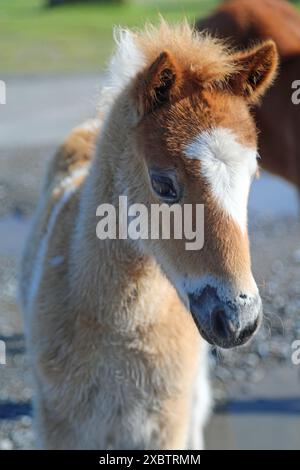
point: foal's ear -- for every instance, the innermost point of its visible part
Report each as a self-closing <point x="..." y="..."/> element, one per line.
<point x="256" y="69"/>
<point x="157" y="83"/>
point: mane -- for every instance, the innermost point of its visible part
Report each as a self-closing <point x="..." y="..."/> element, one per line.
<point x="135" y="50"/>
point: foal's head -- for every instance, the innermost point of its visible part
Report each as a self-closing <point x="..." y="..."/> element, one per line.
<point x="194" y="142"/>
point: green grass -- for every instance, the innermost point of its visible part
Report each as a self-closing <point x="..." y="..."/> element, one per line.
<point x="75" y="38"/>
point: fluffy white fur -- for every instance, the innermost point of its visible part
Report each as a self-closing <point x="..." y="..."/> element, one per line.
<point x="125" y="63"/>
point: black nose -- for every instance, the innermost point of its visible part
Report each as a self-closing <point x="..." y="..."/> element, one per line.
<point x="225" y="323"/>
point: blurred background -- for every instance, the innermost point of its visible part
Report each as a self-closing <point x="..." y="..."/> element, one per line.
<point x="52" y="55"/>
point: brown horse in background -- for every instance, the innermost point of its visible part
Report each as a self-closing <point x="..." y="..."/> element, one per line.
<point x="245" y="22"/>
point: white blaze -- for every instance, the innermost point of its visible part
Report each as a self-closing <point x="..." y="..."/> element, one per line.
<point x="228" y="167"/>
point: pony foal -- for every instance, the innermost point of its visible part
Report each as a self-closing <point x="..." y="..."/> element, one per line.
<point x="113" y="326"/>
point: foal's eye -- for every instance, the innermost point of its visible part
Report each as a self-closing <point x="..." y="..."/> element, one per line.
<point x="164" y="187"/>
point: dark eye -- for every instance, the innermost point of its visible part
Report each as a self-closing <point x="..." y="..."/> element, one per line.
<point x="164" y="187"/>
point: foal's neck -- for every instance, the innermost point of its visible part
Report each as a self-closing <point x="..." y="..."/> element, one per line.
<point x="112" y="277"/>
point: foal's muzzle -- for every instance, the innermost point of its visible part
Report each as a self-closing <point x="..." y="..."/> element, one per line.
<point x="225" y="323"/>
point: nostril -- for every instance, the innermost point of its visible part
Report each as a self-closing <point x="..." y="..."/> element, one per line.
<point x="243" y="296"/>
<point x="222" y="326"/>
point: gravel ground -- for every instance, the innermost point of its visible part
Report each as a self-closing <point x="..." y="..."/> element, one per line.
<point x="276" y="262"/>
